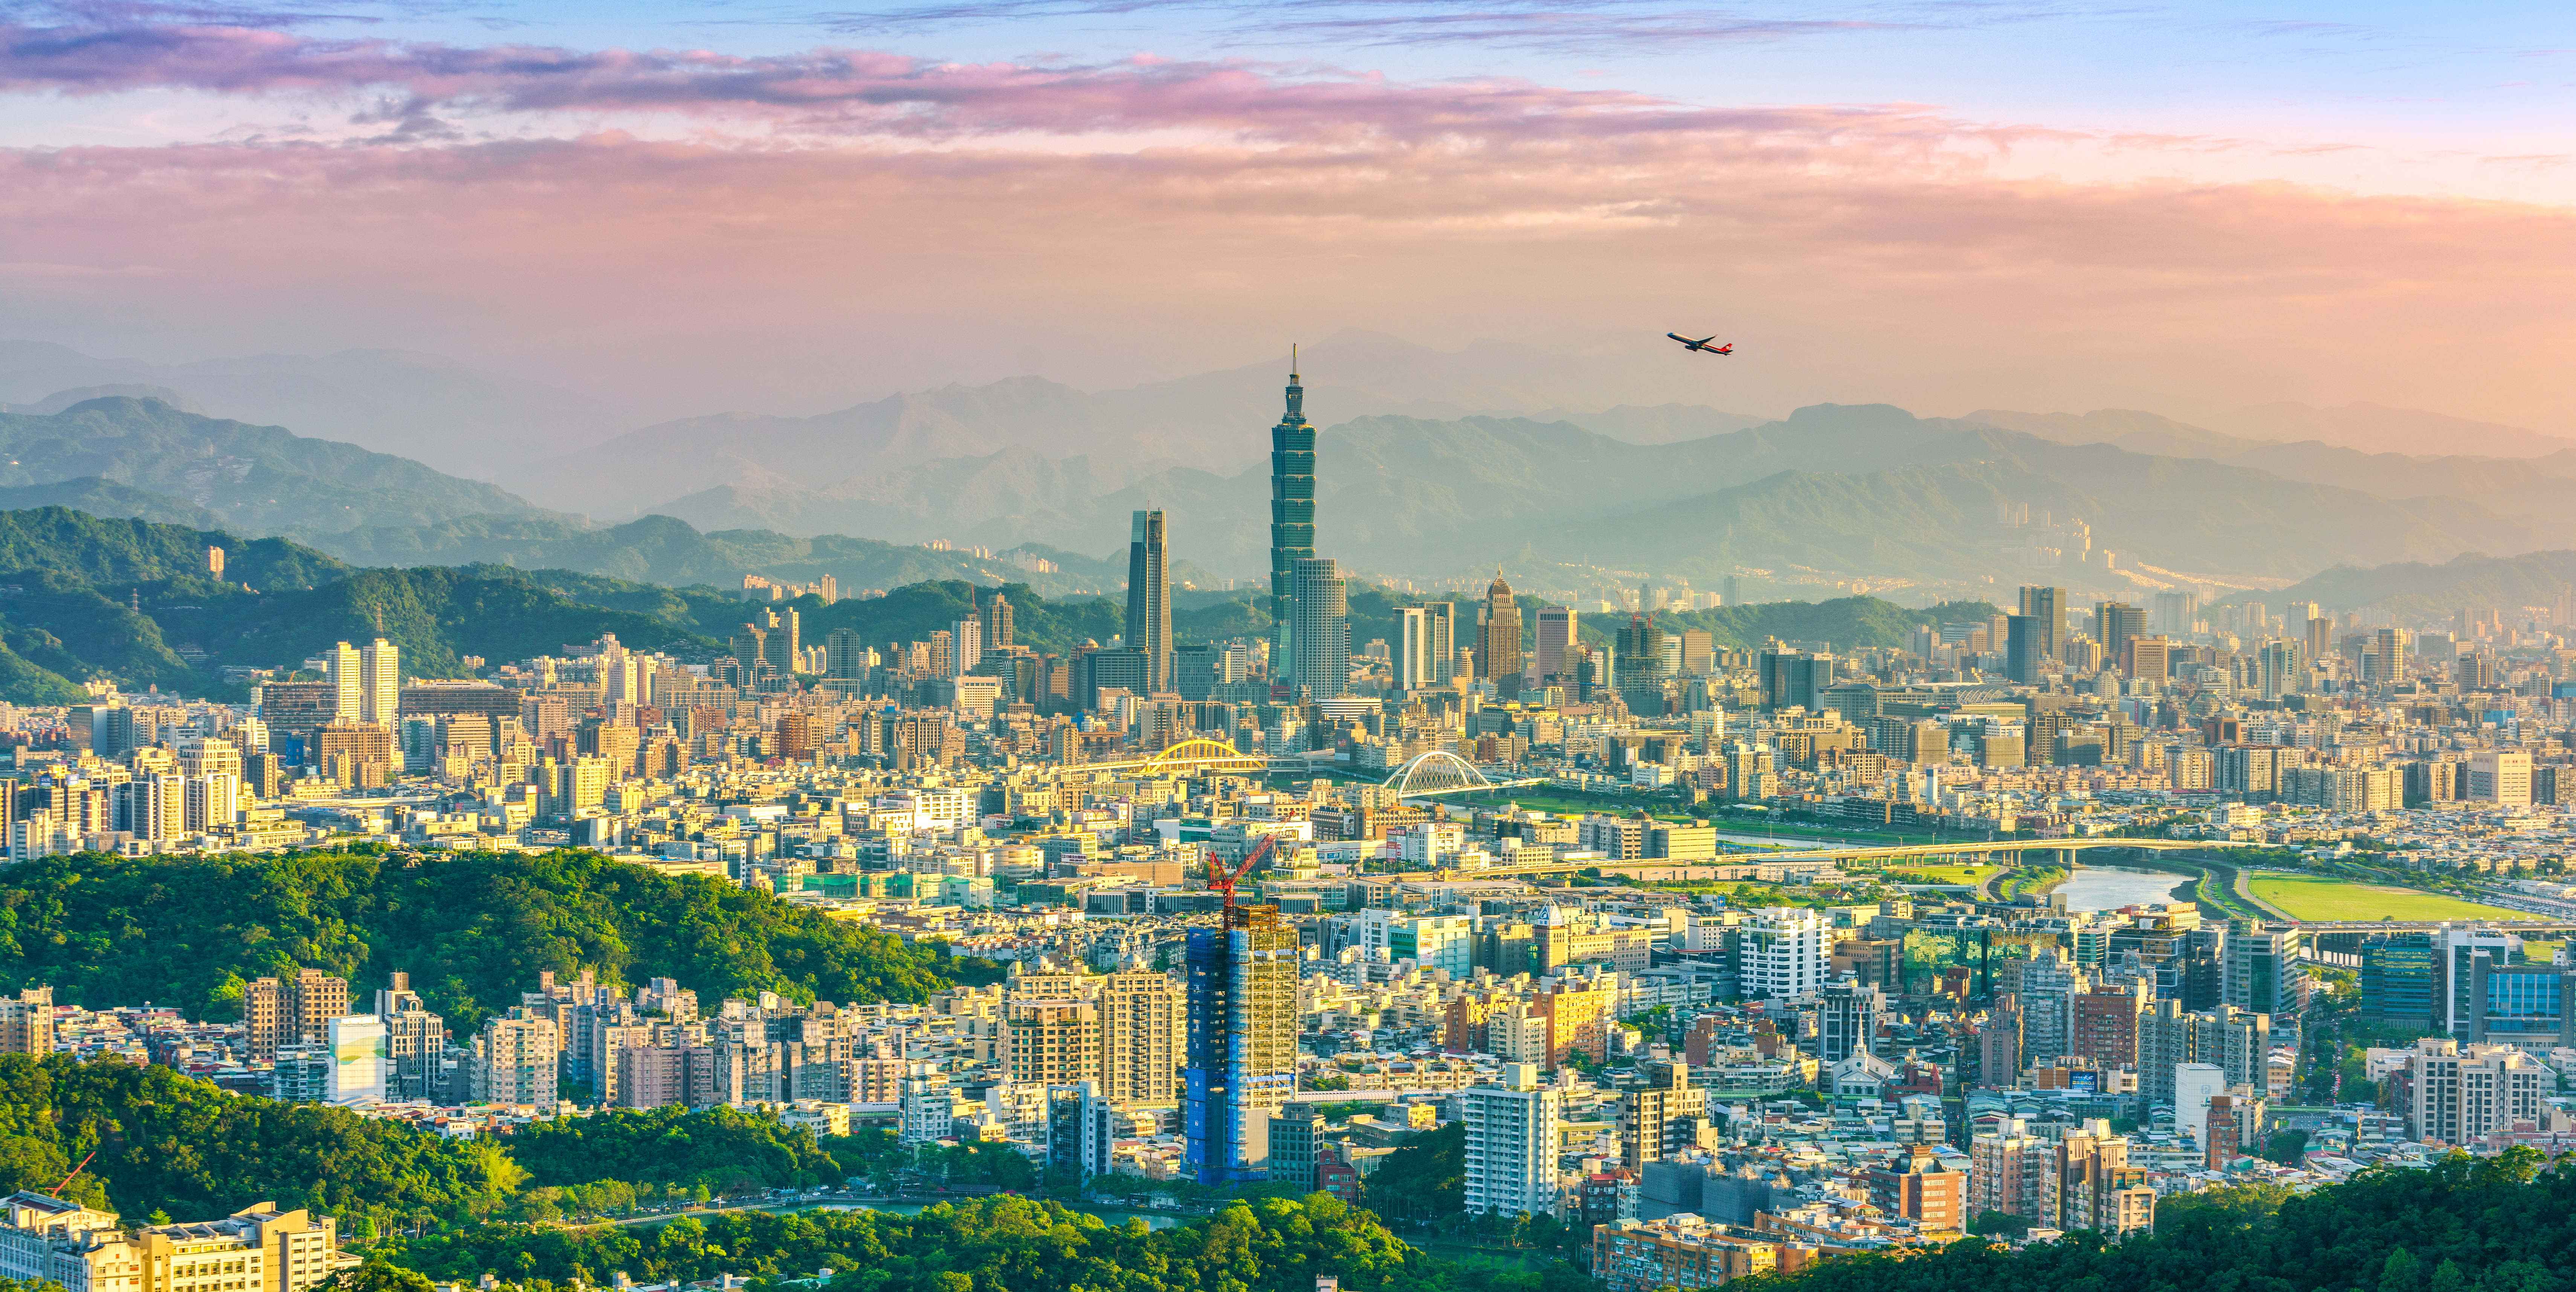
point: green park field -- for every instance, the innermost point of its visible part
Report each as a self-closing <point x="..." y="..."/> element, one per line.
<point x="1938" y="874"/>
<point x="2308" y="897"/>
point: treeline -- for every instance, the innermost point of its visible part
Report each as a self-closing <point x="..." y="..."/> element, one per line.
<point x="169" y="1144"/>
<point x="997" y="1244"/>
<point x="472" y="929"/>
<point x="2498" y="1224"/>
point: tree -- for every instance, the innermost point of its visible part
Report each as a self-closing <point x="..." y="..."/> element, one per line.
<point x="379" y="1275"/>
<point x="1425" y="1181"/>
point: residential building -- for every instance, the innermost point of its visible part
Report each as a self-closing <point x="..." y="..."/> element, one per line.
<point x="1144" y="1025"/>
<point x="1512" y="1138"/>
<point x="1787" y="951"/>
<point x="517" y="1059"/>
<point x="27" y="1023"/>
<point x="1923" y="1187"/>
<point x="2459" y="1093"/>
<point x="1242" y="1040"/>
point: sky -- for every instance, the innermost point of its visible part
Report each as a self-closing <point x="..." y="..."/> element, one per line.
<point x="791" y="207"/>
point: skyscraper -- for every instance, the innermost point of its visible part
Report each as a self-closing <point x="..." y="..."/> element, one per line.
<point x="1149" y="598"/>
<point x="1498" y="639"/>
<point x="1292" y="522"/>
<point x="2048" y="606"/>
<point x="2023" y="648"/>
<point x="1243" y="1042"/>
<point x="1321" y="662"/>
<point x="379" y="682"/>
<point x="1555" y="642"/>
<point x="2114" y="623"/>
<point x="965" y="646"/>
<point x="348" y="682"/>
<point x="1412" y="648"/>
<point x="997" y="621"/>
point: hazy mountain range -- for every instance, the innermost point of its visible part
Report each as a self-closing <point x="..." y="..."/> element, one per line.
<point x="1434" y="465"/>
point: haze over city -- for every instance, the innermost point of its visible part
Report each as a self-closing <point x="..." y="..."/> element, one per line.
<point x="1332" y="646"/>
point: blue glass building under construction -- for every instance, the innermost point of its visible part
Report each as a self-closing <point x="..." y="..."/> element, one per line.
<point x="1243" y="1042"/>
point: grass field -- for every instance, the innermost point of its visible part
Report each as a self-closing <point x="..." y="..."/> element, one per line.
<point x="1940" y="874"/>
<point x="2307" y="897"/>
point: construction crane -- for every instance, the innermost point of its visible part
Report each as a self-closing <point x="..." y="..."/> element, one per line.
<point x="1222" y="880"/>
<point x="67" y="1180"/>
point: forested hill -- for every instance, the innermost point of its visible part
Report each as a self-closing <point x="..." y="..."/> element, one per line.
<point x="472" y="929"/>
<point x="2498" y="1224"/>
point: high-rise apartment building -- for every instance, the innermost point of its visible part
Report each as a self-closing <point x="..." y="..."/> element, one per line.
<point x="1149" y="598"/>
<point x="1242" y="1042"/>
<point x="2092" y="1185"/>
<point x="27" y="1023"/>
<point x="342" y="666"/>
<point x="1322" y="654"/>
<point x="1498" y="639"/>
<point x="379" y="682"/>
<point x="1512" y="1133"/>
<point x="1292" y="524"/>
<point x="517" y="1059"/>
<point x="1054" y="1042"/>
<point x="1143" y="1037"/>
<point x="291" y="1011"/>
<point x="2460" y="1093"/>
<point x="1786" y="951"/>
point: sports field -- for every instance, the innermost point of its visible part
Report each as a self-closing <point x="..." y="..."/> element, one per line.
<point x="2308" y="897"/>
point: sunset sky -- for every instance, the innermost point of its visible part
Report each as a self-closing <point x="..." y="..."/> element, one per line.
<point x="790" y="208"/>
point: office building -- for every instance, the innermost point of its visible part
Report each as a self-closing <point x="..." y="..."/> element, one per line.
<point x="2048" y="606"/>
<point x="1321" y="602"/>
<point x="1556" y="642"/>
<point x="1498" y="639"/>
<point x="2024" y="648"/>
<point x="1294" y="1135"/>
<point x="361" y="1061"/>
<point x="343" y="670"/>
<point x="2500" y="776"/>
<point x="2115" y="624"/>
<point x="1426" y="646"/>
<point x="1149" y="598"/>
<point x="1512" y="1133"/>
<point x="1794" y="679"/>
<point x="1847" y="1014"/>
<point x="1292" y="523"/>
<point x="1242" y="1042"/>
<point x="2264" y="973"/>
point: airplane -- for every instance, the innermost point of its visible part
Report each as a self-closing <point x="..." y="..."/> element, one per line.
<point x="1702" y="344"/>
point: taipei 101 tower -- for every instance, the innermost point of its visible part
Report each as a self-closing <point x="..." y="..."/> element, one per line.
<point x="1292" y="520"/>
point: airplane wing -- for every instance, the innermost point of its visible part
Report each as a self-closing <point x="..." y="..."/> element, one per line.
<point x="1706" y="339"/>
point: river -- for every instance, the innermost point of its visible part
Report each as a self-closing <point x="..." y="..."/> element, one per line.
<point x="2101" y="888"/>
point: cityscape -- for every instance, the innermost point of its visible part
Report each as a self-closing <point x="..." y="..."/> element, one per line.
<point x="1388" y="647"/>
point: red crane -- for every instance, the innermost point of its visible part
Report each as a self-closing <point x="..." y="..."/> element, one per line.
<point x="67" y="1180"/>
<point x="1222" y="880"/>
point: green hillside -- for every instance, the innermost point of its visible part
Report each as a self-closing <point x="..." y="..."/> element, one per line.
<point x="666" y="550"/>
<point x="473" y="930"/>
<point x="259" y="479"/>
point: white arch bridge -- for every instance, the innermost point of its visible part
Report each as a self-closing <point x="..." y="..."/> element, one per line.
<point x="1441" y="772"/>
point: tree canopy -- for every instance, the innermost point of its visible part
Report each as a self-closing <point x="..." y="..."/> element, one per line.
<point x="472" y="929"/>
